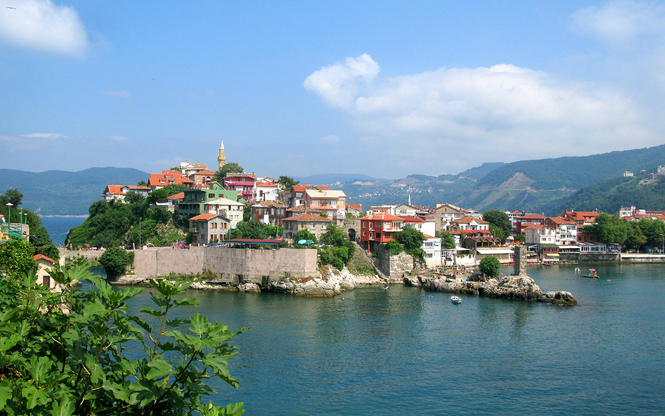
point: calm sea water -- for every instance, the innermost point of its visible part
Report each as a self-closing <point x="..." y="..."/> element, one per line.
<point x="408" y="352"/>
<point x="58" y="227"/>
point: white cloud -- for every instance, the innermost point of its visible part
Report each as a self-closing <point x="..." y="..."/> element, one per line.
<point x="43" y="26"/>
<point x="168" y="162"/>
<point x="49" y="136"/>
<point x="337" y="84"/>
<point x="119" y="94"/>
<point x="502" y="113"/>
<point x="120" y="139"/>
<point x="330" y="139"/>
<point x="621" y="22"/>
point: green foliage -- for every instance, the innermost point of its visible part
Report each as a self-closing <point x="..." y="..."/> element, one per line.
<point x="252" y="229"/>
<point x="520" y="237"/>
<point x="447" y="239"/>
<point x="636" y="237"/>
<point x="394" y="247"/>
<point x="653" y="230"/>
<point x="287" y="183"/>
<point x="411" y="239"/>
<point x="117" y="223"/>
<point x="12" y="196"/>
<point x="16" y="258"/>
<point x="233" y="234"/>
<point x="333" y="236"/>
<point x="498" y="219"/>
<point x="68" y="353"/>
<point x="609" y="228"/>
<point x="115" y="261"/>
<point x="247" y="212"/>
<point x="304" y="235"/>
<point x="224" y="170"/>
<point x="490" y="266"/>
<point x="497" y="232"/>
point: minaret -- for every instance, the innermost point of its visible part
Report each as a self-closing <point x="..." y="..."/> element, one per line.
<point x="221" y="158"/>
<point x="409" y="199"/>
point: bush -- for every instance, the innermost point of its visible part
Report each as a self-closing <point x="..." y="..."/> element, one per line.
<point x="490" y="266"/>
<point x="115" y="262"/>
<point x="394" y="247"/>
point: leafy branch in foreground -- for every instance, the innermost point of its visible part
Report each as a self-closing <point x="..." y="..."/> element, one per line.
<point x="81" y="353"/>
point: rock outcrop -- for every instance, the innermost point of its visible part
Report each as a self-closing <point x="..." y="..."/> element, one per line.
<point x="510" y="287"/>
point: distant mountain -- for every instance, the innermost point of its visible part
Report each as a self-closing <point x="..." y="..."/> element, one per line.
<point x="57" y="192"/>
<point x="543" y="185"/>
<point x="328" y="178"/>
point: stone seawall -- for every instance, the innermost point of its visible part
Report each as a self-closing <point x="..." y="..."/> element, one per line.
<point x="233" y="265"/>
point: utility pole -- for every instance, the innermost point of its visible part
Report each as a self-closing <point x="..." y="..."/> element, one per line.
<point x="140" y="245"/>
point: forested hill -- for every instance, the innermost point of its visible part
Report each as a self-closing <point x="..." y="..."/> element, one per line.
<point x="610" y="195"/>
<point x="57" y="192"/>
<point x="576" y="172"/>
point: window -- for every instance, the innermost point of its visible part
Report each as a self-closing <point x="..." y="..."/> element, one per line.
<point x="47" y="281"/>
<point x="364" y="233"/>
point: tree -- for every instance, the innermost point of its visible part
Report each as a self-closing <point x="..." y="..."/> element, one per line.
<point x="490" y="266"/>
<point x="252" y="229"/>
<point x="447" y="239"/>
<point x="609" y="228"/>
<point x="67" y="353"/>
<point x="497" y="232"/>
<point x="115" y="261"/>
<point x="333" y="236"/>
<point x="498" y="219"/>
<point x="304" y="235"/>
<point x="226" y="169"/>
<point x="636" y="239"/>
<point x="520" y="237"/>
<point x="16" y="258"/>
<point x="287" y="183"/>
<point x="412" y="241"/>
<point x="14" y="197"/>
<point x="133" y="197"/>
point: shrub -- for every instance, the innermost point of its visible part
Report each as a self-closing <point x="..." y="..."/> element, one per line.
<point x="115" y="262"/>
<point x="490" y="266"/>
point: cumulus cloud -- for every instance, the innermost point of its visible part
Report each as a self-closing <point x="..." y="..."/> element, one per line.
<point x="503" y="112"/>
<point x="42" y="26"/>
<point x="338" y="83"/>
<point x="119" y="94"/>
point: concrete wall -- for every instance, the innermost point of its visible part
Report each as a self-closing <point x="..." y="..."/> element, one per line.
<point x="232" y="264"/>
<point x="600" y="257"/>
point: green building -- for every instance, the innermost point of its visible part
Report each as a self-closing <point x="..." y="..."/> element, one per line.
<point x="194" y="200"/>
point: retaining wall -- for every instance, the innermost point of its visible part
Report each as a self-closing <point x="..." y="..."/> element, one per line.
<point x="233" y="265"/>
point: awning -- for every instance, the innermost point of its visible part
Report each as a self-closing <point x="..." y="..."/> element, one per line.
<point x="490" y="251"/>
<point x="551" y="255"/>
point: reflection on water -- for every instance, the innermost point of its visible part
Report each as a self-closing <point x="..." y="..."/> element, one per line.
<point x="403" y="351"/>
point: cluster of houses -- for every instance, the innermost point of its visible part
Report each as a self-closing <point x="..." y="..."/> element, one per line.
<point x="213" y="209"/>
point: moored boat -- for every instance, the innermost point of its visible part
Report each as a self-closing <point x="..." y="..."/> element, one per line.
<point x="456" y="300"/>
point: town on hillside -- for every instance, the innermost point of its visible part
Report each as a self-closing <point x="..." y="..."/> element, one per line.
<point x="215" y="207"/>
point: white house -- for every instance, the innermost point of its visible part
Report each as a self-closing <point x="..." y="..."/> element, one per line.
<point x="233" y="210"/>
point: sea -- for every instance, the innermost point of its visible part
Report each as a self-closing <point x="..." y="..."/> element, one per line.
<point x="58" y="227"/>
<point x="406" y="351"/>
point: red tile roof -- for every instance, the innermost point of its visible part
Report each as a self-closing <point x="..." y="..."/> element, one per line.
<point x="115" y="189"/>
<point x="355" y="206"/>
<point x="206" y="172"/>
<point x="308" y="217"/>
<point x="203" y="217"/>
<point x="266" y="185"/>
<point x="411" y="219"/>
<point x="269" y="204"/>
<point x="43" y="257"/>
<point x="469" y="219"/>
<point x="303" y="188"/>
<point x="179" y="195"/>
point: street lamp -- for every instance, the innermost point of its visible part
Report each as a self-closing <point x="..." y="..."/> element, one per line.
<point x="9" y="208"/>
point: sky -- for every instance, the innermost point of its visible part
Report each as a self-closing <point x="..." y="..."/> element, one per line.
<point x="382" y="88"/>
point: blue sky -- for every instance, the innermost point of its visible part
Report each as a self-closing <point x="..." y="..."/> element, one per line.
<point x="385" y="88"/>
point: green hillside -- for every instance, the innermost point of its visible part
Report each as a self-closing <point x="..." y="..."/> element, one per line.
<point x="576" y="172"/>
<point x="57" y="192"/>
<point x="610" y="195"/>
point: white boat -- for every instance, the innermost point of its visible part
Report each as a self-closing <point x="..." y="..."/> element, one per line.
<point x="456" y="300"/>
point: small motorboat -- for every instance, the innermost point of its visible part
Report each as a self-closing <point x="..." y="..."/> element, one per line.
<point x="456" y="300"/>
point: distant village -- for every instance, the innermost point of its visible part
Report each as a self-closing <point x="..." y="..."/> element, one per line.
<point x="213" y="209"/>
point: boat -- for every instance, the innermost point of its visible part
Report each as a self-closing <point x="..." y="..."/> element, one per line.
<point x="456" y="300"/>
<point x="592" y="274"/>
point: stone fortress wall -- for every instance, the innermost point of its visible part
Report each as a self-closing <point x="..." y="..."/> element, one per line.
<point x="233" y="265"/>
